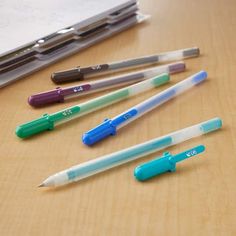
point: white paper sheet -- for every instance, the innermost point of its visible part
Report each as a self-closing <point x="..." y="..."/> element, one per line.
<point x="24" y="21"/>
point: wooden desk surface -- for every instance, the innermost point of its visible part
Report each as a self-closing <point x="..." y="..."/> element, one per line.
<point x="199" y="199"/>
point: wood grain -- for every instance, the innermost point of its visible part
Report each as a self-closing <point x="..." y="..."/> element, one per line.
<point x="199" y="199"/>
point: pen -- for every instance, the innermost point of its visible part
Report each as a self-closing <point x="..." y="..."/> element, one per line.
<point x="81" y="73"/>
<point x="49" y="121"/>
<point x="62" y="94"/>
<point x="110" y="126"/>
<point x="166" y="163"/>
<point x="109" y="161"/>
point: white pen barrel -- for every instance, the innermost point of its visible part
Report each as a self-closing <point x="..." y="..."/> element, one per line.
<point x="156" y="100"/>
<point x="95" y="166"/>
<point x="179" y="54"/>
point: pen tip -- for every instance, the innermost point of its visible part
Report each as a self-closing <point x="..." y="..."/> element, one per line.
<point x="41" y="185"/>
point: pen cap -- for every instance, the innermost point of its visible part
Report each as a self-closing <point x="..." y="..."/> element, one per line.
<point x="67" y="76"/>
<point x="99" y="132"/>
<point x="155" y="167"/>
<point x="49" y="97"/>
<point x="165" y="163"/>
<point x="34" y="127"/>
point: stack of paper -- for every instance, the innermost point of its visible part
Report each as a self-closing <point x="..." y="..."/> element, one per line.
<point x="35" y="34"/>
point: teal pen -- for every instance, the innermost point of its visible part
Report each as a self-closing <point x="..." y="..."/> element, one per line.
<point x="166" y="163"/>
<point x="109" y="161"/>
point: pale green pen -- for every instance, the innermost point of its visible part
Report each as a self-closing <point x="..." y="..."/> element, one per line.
<point x="48" y="122"/>
<point x="112" y="160"/>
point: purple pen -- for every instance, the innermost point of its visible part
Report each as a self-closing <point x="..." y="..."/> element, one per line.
<point x="61" y="94"/>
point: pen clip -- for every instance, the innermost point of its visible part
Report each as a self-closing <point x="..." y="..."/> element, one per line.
<point x="163" y="164"/>
<point x="98" y="133"/>
<point x="187" y="154"/>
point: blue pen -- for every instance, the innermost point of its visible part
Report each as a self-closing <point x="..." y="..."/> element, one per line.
<point x="110" y="126"/>
<point x="166" y="163"/>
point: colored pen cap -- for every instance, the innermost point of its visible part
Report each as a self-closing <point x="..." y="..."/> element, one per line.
<point x="49" y="97"/>
<point x="154" y="167"/>
<point x="166" y="163"/>
<point x="101" y="131"/>
<point x="67" y="76"/>
<point x="34" y="127"/>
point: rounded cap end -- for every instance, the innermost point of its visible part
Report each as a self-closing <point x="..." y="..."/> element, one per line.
<point x="49" y="97"/>
<point x="138" y="174"/>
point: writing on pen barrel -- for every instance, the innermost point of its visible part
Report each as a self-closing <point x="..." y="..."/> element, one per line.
<point x="62" y="94"/>
<point x="110" y="126"/>
<point x="87" y="72"/>
<point x="166" y="163"/>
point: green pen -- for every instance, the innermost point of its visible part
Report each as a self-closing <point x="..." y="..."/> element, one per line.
<point x="49" y="121"/>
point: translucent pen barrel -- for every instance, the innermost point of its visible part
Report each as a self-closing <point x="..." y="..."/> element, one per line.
<point x="110" y="126"/>
<point x="125" y="79"/>
<point x="156" y="100"/>
<point x="87" y="72"/>
<point x="111" y="98"/>
<point x="179" y="54"/>
<point x="92" y="167"/>
<point x="63" y="94"/>
<point x="49" y="121"/>
<point x="167" y="56"/>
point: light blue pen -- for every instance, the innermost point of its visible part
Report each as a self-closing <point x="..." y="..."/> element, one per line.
<point x="166" y="163"/>
<point x="112" y="160"/>
<point x="110" y="126"/>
